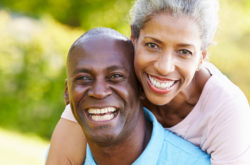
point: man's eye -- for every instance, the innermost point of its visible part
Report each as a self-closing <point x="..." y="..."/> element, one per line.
<point x="152" y="45"/>
<point x="116" y="76"/>
<point x="185" y="52"/>
<point x="84" y="78"/>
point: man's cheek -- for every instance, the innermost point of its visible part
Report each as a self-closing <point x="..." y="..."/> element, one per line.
<point x="123" y="91"/>
<point x="78" y="92"/>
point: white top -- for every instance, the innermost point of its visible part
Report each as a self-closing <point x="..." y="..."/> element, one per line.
<point x="219" y="122"/>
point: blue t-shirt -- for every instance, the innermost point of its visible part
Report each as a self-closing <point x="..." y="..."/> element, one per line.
<point x="164" y="148"/>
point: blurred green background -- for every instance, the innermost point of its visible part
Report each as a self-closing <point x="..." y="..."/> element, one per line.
<point x="34" y="40"/>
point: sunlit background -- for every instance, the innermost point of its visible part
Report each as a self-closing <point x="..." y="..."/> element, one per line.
<point x="34" y="39"/>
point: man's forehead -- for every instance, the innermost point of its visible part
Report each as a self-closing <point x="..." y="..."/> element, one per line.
<point x="107" y="52"/>
<point x="102" y="46"/>
<point x="104" y="41"/>
<point x="96" y="37"/>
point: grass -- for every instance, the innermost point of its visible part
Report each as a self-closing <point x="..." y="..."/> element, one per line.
<point x="16" y="148"/>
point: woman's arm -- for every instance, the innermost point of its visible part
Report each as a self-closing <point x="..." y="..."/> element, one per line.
<point x="68" y="144"/>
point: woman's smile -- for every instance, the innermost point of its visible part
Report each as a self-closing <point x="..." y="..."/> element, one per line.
<point x="160" y="85"/>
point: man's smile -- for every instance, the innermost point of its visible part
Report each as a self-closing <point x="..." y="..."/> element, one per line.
<point x="102" y="114"/>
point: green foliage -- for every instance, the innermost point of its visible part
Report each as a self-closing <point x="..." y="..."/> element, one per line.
<point x="84" y="13"/>
<point x="33" y="52"/>
<point x="32" y="58"/>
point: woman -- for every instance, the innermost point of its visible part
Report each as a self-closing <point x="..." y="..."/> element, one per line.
<point x="188" y="95"/>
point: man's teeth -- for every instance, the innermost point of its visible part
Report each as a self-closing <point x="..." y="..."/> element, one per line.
<point x="101" y="110"/>
<point x="160" y="84"/>
<point x="102" y="114"/>
<point x="102" y="117"/>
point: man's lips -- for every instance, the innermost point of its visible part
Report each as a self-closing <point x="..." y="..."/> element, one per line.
<point x="102" y="113"/>
<point x="160" y="85"/>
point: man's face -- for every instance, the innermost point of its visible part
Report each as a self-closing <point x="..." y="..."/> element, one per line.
<point x="102" y="88"/>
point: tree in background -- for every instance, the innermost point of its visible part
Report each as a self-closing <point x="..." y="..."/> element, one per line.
<point x="76" y="13"/>
<point x="35" y="37"/>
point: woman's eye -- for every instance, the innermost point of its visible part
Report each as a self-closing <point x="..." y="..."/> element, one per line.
<point x="185" y="52"/>
<point x="151" y="45"/>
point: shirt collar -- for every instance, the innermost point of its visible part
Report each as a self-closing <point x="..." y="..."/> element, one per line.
<point x="151" y="153"/>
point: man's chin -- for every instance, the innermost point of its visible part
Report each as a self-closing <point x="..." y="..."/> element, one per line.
<point x="105" y="140"/>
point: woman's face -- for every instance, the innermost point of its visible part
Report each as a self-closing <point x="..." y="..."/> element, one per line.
<point x="167" y="55"/>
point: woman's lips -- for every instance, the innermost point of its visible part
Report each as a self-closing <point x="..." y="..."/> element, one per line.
<point x="160" y="85"/>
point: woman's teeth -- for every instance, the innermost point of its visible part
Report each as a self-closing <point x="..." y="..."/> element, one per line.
<point x="102" y="114"/>
<point x="161" y="84"/>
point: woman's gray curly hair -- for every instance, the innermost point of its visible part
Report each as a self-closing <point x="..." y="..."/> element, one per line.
<point x="204" y="12"/>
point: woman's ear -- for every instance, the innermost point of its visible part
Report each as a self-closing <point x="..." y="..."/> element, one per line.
<point x="202" y="59"/>
<point x="66" y="93"/>
<point x="204" y="54"/>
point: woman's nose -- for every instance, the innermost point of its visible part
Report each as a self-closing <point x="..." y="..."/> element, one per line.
<point x="165" y="64"/>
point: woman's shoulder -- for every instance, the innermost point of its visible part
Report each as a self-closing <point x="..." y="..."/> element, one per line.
<point x="220" y="90"/>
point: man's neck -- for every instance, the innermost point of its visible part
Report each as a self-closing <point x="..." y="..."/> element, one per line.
<point x="128" y="149"/>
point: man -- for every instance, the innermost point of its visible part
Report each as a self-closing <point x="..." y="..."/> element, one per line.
<point x="103" y="94"/>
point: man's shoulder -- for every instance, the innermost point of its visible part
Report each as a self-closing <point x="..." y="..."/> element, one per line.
<point x="178" y="143"/>
<point x="170" y="148"/>
<point x="182" y="151"/>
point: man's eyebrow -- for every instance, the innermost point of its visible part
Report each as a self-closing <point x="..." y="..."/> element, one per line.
<point x="116" y="67"/>
<point x="81" y="70"/>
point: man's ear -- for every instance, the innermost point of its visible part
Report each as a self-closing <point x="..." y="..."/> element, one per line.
<point x="66" y="93"/>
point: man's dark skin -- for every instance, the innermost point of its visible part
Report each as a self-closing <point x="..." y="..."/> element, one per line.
<point x="103" y="93"/>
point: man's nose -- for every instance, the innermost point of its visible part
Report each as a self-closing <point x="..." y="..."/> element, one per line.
<point x="165" y="64"/>
<point x="100" y="90"/>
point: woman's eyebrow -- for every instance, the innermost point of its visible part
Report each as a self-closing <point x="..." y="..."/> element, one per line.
<point x="152" y="38"/>
<point x="186" y="45"/>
